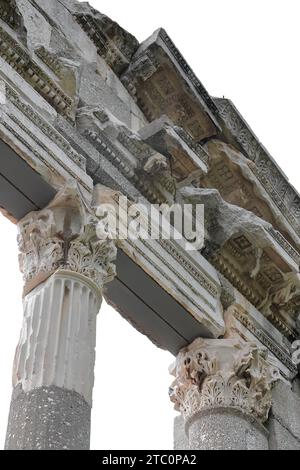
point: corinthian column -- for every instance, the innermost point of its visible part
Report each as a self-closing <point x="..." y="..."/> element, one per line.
<point x="65" y="266"/>
<point x="222" y="388"/>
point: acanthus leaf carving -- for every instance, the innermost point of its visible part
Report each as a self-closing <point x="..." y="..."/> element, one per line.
<point x="63" y="236"/>
<point x="212" y="373"/>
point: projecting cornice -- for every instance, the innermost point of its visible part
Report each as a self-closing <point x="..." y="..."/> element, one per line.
<point x="266" y="170"/>
<point x="81" y="99"/>
<point x="161" y="81"/>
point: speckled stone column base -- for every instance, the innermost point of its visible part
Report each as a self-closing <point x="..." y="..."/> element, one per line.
<point x="48" y="418"/>
<point x="179" y="434"/>
<point x="226" y="429"/>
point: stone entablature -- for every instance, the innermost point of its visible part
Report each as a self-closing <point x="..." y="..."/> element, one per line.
<point x="115" y="45"/>
<point x="187" y="276"/>
<point x="235" y="176"/>
<point x="188" y="160"/>
<point x="68" y="115"/>
<point x="270" y="176"/>
<point x="19" y="59"/>
<point x="221" y="111"/>
<point x="243" y="320"/>
<point x="82" y="100"/>
<point x="162" y="83"/>
<point x="9" y="13"/>
<point x="30" y="131"/>
<point x="245" y="249"/>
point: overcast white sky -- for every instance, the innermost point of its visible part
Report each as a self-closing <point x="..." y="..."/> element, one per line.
<point x="247" y="51"/>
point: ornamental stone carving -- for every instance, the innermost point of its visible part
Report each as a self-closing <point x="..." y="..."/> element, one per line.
<point x="63" y="236"/>
<point x="211" y="373"/>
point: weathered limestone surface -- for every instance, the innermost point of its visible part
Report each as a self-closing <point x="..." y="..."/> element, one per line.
<point x="284" y="421"/>
<point x="281" y="438"/>
<point x="169" y="260"/>
<point x="230" y="219"/>
<point x="296" y="387"/>
<point x="65" y="266"/>
<point x="83" y="104"/>
<point x="238" y="182"/>
<point x="222" y="373"/>
<point x="180" y="438"/>
<point x="223" y="390"/>
<point x="57" y="343"/>
<point x="226" y="429"/>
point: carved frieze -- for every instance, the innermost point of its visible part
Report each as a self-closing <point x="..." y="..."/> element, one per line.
<point x="250" y="325"/>
<point x="232" y="174"/>
<point x="148" y="169"/>
<point x="61" y="66"/>
<point x="245" y="251"/>
<point x="189" y="279"/>
<point x="33" y="136"/>
<point x="162" y="83"/>
<point x="188" y="159"/>
<point x="10" y="14"/>
<point x="265" y="169"/>
<point x="44" y="126"/>
<point x="19" y="59"/>
<point x="115" y="45"/>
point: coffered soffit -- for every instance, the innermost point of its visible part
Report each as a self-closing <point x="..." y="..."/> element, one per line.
<point x="161" y="81"/>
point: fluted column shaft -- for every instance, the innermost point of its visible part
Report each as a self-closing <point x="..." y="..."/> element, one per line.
<point x="65" y="265"/>
<point x="58" y="337"/>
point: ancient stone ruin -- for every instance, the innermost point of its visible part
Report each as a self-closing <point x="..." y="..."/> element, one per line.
<point x="89" y="114"/>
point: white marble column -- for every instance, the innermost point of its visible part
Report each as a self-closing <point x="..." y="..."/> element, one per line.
<point x="222" y="388"/>
<point x="65" y="266"/>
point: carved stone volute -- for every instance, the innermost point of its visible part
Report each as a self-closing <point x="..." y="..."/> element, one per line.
<point x="63" y="236"/>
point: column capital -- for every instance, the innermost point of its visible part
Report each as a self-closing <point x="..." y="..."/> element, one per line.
<point x="212" y="373"/>
<point x="63" y="236"/>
